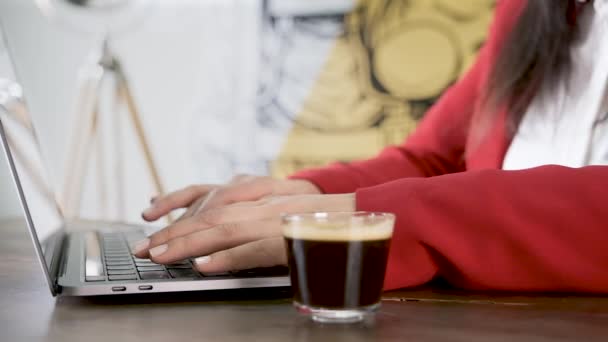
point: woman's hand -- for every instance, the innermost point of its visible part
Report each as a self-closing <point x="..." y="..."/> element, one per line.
<point x="241" y="188"/>
<point x="236" y="236"/>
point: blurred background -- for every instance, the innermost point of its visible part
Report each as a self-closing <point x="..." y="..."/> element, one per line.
<point x="225" y="87"/>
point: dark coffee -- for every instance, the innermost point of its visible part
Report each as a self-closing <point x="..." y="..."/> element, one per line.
<point x="337" y="273"/>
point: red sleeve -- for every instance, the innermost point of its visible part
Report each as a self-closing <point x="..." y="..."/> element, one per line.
<point x="542" y="229"/>
<point x="437" y="146"/>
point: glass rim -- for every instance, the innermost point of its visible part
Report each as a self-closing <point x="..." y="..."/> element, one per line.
<point x="329" y="214"/>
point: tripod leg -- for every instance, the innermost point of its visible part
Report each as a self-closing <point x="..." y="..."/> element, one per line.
<point x="139" y="130"/>
<point x="85" y="130"/>
<point x="101" y="167"/>
<point x="81" y="165"/>
<point x="117" y="139"/>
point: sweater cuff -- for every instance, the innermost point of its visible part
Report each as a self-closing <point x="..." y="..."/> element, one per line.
<point x="329" y="180"/>
<point x="409" y="262"/>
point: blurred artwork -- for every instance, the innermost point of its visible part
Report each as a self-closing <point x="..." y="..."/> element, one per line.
<point x="340" y="80"/>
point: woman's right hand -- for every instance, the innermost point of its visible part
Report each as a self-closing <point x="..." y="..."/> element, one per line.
<point x="241" y="188"/>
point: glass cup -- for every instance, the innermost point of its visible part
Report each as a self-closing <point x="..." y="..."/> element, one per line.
<point x="337" y="263"/>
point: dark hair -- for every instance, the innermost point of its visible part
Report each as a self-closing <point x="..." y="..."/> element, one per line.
<point x="536" y="51"/>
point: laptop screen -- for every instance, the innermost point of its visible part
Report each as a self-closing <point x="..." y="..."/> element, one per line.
<point x="25" y="158"/>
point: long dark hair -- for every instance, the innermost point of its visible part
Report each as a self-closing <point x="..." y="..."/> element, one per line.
<point x="536" y="51"/>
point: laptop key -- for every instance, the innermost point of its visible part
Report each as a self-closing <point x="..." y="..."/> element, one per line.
<point x="119" y="263"/>
<point x="115" y="251"/>
<point x="183" y="273"/>
<point x="145" y="263"/>
<point x="123" y="277"/>
<point x="183" y="262"/>
<point x="120" y="272"/>
<point x="116" y="255"/>
<point x="120" y="251"/>
<point x="129" y="267"/>
<point x="134" y="237"/>
<point x="118" y="260"/>
<point x="107" y="251"/>
<point x="154" y="275"/>
<point x="150" y="268"/>
<point x="114" y="244"/>
<point x="140" y="259"/>
<point x="185" y="266"/>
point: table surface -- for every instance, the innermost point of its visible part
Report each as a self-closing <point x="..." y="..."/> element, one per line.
<point x="29" y="312"/>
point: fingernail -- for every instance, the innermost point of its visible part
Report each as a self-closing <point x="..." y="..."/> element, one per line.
<point x="202" y="260"/>
<point x="148" y="211"/>
<point x="139" y="246"/>
<point x="158" y="250"/>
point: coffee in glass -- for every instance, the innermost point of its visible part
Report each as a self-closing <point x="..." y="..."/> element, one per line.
<point x="337" y="262"/>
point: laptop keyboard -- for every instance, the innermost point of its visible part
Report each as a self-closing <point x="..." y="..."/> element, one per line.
<point x="114" y="262"/>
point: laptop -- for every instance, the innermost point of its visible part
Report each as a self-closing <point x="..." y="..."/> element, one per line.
<point x="89" y="258"/>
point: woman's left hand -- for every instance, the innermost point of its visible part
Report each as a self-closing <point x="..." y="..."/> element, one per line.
<point x="238" y="236"/>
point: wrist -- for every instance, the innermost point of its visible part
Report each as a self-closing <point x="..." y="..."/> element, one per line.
<point x="341" y="202"/>
<point x="302" y="186"/>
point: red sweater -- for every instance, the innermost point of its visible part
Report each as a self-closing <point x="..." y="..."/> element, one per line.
<point x="462" y="218"/>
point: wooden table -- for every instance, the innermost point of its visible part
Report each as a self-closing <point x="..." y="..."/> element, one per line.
<point x="29" y="312"/>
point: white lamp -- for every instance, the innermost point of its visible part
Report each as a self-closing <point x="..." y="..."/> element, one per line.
<point x="101" y="17"/>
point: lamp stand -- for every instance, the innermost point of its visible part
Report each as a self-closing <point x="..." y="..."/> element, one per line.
<point x="87" y="134"/>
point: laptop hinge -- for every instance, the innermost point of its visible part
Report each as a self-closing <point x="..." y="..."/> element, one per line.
<point x="55" y="245"/>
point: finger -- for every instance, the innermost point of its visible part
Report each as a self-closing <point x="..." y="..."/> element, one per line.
<point x="242" y="179"/>
<point x="260" y="253"/>
<point x="202" y="221"/>
<point x="179" y="228"/>
<point x="257" y="203"/>
<point x="199" y="209"/>
<point x="204" y="203"/>
<point x="217" y="238"/>
<point x="199" y="203"/>
<point x="241" y="192"/>
<point x="178" y="199"/>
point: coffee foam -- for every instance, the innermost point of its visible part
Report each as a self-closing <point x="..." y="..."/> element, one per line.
<point x="334" y="232"/>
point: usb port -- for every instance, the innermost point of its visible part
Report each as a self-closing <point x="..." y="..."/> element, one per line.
<point x="145" y="287"/>
<point x="119" y="288"/>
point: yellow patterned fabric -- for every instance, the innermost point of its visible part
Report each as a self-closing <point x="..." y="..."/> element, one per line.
<point x="392" y="62"/>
